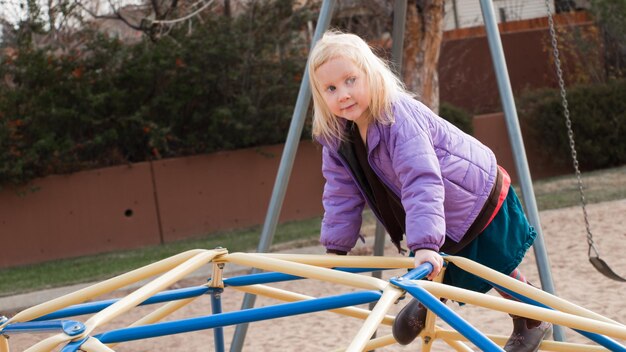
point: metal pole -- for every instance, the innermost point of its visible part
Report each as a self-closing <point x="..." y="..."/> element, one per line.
<point x="517" y="144"/>
<point x="399" y="21"/>
<point x="284" y="169"/>
<point x="379" y="250"/>
<point x="455" y="11"/>
<point x="399" y="25"/>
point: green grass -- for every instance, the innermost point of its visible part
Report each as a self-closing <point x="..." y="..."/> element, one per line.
<point x="92" y="268"/>
<point x="558" y="192"/>
<point x="599" y="186"/>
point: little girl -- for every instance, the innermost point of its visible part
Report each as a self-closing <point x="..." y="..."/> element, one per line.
<point x="420" y="175"/>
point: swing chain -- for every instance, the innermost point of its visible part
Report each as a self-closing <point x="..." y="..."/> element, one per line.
<point x="570" y="132"/>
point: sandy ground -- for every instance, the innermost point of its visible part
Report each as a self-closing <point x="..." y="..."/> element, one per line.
<point x="574" y="280"/>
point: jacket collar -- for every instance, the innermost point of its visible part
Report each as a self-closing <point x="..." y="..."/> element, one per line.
<point x="373" y="138"/>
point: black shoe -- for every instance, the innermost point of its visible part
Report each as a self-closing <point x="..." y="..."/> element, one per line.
<point x="527" y="335"/>
<point x="409" y="322"/>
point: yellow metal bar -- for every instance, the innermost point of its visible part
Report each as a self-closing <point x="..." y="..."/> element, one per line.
<point x="49" y="343"/>
<point x="160" y="313"/>
<point x="191" y="260"/>
<point x="525" y="310"/>
<point x="388" y="340"/>
<point x="527" y="290"/>
<point x="304" y="270"/>
<point x="216" y="276"/>
<point x="103" y="287"/>
<point x="148" y="290"/>
<point x="94" y="345"/>
<point x="451" y="335"/>
<point x="546" y="345"/>
<point x="163" y="311"/>
<point x="427" y="344"/>
<point x="272" y="292"/>
<point x="350" y="261"/>
<point x="379" y="342"/>
<point x="389" y="297"/>
<point x="4" y="344"/>
<point x="453" y="342"/>
<point x="459" y="346"/>
<point x="428" y="333"/>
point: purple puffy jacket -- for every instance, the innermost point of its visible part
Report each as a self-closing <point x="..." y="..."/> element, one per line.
<point x="442" y="176"/>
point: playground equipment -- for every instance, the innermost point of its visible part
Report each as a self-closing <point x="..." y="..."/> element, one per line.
<point x="74" y="335"/>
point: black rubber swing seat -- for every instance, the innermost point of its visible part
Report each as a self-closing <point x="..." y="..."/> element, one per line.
<point x="605" y="269"/>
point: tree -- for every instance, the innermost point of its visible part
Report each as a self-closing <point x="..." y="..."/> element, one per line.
<point x="422" y="45"/>
<point x="372" y="20"/>
<point x="154" y="18"/>
<point x="611" y="18"/>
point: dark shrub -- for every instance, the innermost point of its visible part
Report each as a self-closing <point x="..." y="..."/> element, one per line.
<point x="457" y="116"/>
<point x="598" y="115"/>
<point x="230" y="83"/>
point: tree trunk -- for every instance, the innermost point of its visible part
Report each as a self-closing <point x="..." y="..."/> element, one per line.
<point x="227" y="8"/>
<point x="422" y="43"/>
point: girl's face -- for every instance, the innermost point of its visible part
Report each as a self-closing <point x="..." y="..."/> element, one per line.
<point x="345" y="89"/>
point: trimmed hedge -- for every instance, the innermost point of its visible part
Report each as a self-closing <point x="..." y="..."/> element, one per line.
<point x="598" y="115"/>
<point x="231" y="83"/>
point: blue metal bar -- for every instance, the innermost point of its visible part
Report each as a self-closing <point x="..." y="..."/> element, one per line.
<point x="605" y="341"/>
<point x="419" y="272"/>
<point x="260" y="278"/>
<point x="238" y="317"/>
<point x="93" y="307"/>
<point x="269" y="277"/>
<point x="183" y="293"/>
<point x="445" y="313"/>
<point x="218" y="332"/>
<point x="69" y="327"/>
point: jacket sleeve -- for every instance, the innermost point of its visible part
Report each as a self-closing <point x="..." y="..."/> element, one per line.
<point x="343" y="206"/>
<point x="422" y="191"/>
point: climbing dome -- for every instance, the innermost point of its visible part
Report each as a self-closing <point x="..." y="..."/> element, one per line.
<point x="69" y="334"/>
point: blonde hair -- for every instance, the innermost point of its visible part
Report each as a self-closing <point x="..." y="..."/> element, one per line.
<point x="383" y="83"/>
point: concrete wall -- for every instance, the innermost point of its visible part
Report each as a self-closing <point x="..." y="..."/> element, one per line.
<point x="227" y="190"/>
<point x="82" y="213"/>
<point x="491" y="130"/>
<point x="149" y="203"/>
